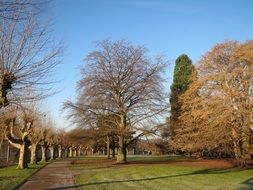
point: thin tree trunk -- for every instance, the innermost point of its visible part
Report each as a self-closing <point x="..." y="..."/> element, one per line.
<point x="246" y="143"/>
<point x="1" y="141"/>
<point x="108" y="147"/>
<point x="67" y="152"/>
<point x="113" y="152"/>
<point x="8" y="154"/>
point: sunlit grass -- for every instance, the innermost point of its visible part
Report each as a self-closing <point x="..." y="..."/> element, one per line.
<point x="10" y="177"/>
<point x="110" y="176"/>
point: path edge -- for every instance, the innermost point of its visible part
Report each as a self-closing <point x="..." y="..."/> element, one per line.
<point x="32" y="174"/>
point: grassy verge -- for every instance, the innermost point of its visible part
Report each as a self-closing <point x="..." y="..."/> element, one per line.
<point x="101" y="174"/>
<point x="10" y="177"/>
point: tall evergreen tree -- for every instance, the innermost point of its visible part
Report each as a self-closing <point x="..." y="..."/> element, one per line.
<point x="181" y="79"/>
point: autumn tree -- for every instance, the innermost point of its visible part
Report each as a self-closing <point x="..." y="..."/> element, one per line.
<point x="217" y="107"/>
<point x="119" y="78"/>
<point x="181" y="80"/>
<point x="28" y="54"/>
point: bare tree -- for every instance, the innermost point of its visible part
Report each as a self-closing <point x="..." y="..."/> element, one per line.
<point x="61" y="139"/>
<point x="36" y="137"/>
<point x="218" y="105"/>
<point x="119" y="78"/>
<point x="28" y="54"/>
<point x="7" y="7"/>
<point x="48" y="140"/>
<point x="23" y="123"/>
<point x="52" y="143"/>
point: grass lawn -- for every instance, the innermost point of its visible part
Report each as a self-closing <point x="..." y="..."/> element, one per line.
<point x="158" y="173"/>
<point x="10" y="177"/>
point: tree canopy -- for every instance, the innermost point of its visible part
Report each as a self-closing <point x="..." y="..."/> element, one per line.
<point x="217" y="107"/>
<point x="119" y="79"/>
<point x="183" y="72"/>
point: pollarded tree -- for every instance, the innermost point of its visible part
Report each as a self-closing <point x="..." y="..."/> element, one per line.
<point x="46" y="133"/>
<point x="61" y="139"/>
<point x="217" y="111"/>
<point x="51" y="140"/>
<point x="181" y="79"/>
<point x="119" y="78"/>
<point x="36" y="136"/>
<point x="27" y="54"/>
<point x="21" y="124"/>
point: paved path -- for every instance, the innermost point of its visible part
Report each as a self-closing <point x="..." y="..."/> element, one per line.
<point x="55" y="176"/>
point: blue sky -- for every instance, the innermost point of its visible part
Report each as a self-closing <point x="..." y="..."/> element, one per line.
<point x="168" y="27"/>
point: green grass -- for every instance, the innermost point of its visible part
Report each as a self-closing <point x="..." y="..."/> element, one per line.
<point x="103" y="175"/>
<point x="10" y="177"/>
<point x="155" y="158"/>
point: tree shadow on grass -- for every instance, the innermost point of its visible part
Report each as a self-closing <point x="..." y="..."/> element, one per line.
<point x="248" y="184"/>
<point x="203" y="171"/>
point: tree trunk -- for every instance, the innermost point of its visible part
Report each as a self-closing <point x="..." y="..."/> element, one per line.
<point x="33" y="154"/>
<point x="43" y="154"/>
<point x="113" y="152"/>
<point x="70" y="152"/>
<point x="134" y="152"/>
<point x="1" y="140"/>
<point x="246" y="143"/>
<point x="67" y="152"/>
<point x="79" y="151"/>
<point x="60" y="151"/>
<point x="108" y="147"/>
<point x="23" y="154"/>
<point x="51" y="148"/>
<point x="121" y="157"/>
<point x="238" y="150"/>
<point x="74" y="152"/>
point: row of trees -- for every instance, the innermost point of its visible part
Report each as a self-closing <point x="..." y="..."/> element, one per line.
<point x="28" y="58"/>
<point x="35" y="135"/>
<point x="213" y="112"/>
